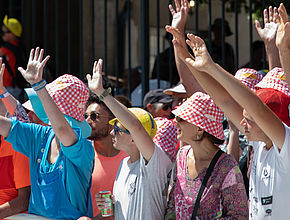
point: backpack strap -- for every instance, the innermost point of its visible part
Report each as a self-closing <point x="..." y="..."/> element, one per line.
<point x="204" y="182"/>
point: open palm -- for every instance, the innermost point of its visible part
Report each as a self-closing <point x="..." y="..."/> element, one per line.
<point x="34" y="71"/>
<point x="179" y="15"/>
<point x="95" y="81"/>
<point x="201" y="55"/>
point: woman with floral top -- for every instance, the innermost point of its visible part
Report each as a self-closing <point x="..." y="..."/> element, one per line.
<point x="199" y="123"/>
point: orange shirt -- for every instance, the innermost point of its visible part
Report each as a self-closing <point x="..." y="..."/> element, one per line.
<point x="104" y="175"/>
<point x="10" y="57"/>
<point x="14" y="172"/>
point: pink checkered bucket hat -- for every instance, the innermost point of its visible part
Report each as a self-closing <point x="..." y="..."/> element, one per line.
<point x="70" y="95"/>
<point x="249" y="77"/>
<point x="275" y="79"/>
<point x="201" y="111"/>
<point x="166" y="136"/>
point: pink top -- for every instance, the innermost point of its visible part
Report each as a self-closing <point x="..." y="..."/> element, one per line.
<point x="104" y="175"/>
<point x="224" y="196"/>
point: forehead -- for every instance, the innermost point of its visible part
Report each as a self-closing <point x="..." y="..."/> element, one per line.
<point x="4" y="28"/>
<point x="178" y="95"/>
<point x="246" y="115"/>
<point x="95" y="107"/>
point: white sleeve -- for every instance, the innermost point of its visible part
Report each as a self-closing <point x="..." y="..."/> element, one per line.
<point x="158" y="164"/>
<point x="284" y="154"/>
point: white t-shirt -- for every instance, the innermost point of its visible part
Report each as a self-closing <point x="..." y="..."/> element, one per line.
<point x="140" y="189"/>
<point x="269" y="189"/>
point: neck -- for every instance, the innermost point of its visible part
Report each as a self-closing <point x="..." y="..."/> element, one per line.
<point x="203" y="150"/>
<point x="133" y="153"/>
<point x="269" y="143"/>
<point x="105" y="147"/>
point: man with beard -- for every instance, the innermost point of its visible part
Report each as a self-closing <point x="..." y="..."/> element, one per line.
<point x="107" y="158"/>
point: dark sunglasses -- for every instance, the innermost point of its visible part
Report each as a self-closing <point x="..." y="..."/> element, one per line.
<point x="178" y="119"/>
<point x="117" y="130"/>
<point x="94" y="116"/>
<point x="5" y="32"/>
<point x="166" y="106"/>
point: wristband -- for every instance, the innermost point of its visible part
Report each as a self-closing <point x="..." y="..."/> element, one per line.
<point x="105" y="93"/>
<point x="40" y="85"/>
<point x="4" y="94"/>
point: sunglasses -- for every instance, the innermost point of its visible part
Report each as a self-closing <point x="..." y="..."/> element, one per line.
<point x="178" y="119"/>
<point x="94" y="116"/>
<point x="166" y="106"/>
<point x="117" y="130"/>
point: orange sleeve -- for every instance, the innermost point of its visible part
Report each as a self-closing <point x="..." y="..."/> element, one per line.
<point x="21" y="170"/>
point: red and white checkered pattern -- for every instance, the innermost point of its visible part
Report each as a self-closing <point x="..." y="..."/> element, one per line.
<point x="70" y="95"/>
<point x="275" y="79"/>
<point x="166" y="136"/>
<point x="201" y="111"/>
<point x="249" y="77"/>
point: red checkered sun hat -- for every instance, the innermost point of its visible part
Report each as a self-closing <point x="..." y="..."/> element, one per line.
<point x="70" y="95"/>
<point x="201" y="111"/>
<point x="249" y="77"/>
<point x="275" y="79"/>
<point x="166" y="136"/>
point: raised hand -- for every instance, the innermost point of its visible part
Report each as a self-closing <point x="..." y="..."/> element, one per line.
<point x="268" y="33"/>
<point x="179" y="42"/>
<point x="95" y="82"/>
<point x="2" y="89"/>
<point x="179" y="15"/>
<point x="34" y="71"/>
<point x="202" y="60"/>
<point x="283" y="33"/>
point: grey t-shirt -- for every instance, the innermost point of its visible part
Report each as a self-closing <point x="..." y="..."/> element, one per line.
<point x="140" y="189"/>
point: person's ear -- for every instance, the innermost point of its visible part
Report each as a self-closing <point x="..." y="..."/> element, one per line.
<point x="149" y="107"/>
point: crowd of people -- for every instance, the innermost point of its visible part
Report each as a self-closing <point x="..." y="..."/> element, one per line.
<point x="215" y="146"/>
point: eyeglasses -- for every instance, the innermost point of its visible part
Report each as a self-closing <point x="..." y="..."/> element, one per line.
<point x="5" y="32"/>
<point x="178" y="119"/>
<point x="94" y="116"/>
<point x="166" y="106"/>
<point x="117" y="130"/>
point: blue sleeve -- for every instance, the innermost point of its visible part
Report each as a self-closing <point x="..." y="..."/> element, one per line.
<point x="82" y="153"/>
<point x="26" y="138"/>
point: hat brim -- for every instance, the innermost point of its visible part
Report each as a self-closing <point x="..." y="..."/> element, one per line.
<point x="40" y="112"/>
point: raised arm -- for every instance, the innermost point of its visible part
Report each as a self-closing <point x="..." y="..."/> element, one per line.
<point x="141" y="138"/>
<point x="221" y="97"/>
<point x="283" y="40"/>
<point x="179" y="17"/>
<point x="258" y="111"/>
<point x="33" y="75"/>
<point x="268" y="35"/>
<point x="8" y="100"/>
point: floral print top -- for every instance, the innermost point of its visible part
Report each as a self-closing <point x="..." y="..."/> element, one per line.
<point x="224" y="196"/>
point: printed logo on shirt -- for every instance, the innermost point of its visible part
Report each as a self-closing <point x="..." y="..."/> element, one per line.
<point x="268" y="212"/>
<point x="267" y="200"/>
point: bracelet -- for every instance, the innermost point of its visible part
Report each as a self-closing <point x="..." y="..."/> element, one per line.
<point x="105" y="93"/>
<point x="4" y="94"/>
<point x="40" y="85"/>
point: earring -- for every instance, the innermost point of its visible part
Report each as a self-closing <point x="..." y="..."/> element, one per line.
<point x="197" y="137"/>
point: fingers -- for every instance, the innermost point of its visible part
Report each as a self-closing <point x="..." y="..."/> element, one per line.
<point x="100" y="66"/>
<point x="21" y="70"/>
<point x="270" y="14"/>
<point x="2" y="69"/>
<point x="171" y="9"/>
<point x="95" y="67"/>
<point x="89" y="78"/>
<point x="40" y="55"/>
<point x="36" y="54"/>
<point x="31" y="55"/>
<point x="177" y="5"/>
<point x="266" y="19"/>
<point x="258" y="26"/>
<point x="283" y="13"/>
<point x="43" y="63"/>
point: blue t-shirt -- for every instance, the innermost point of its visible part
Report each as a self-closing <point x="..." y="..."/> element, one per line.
<point x="34" y="141"/>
